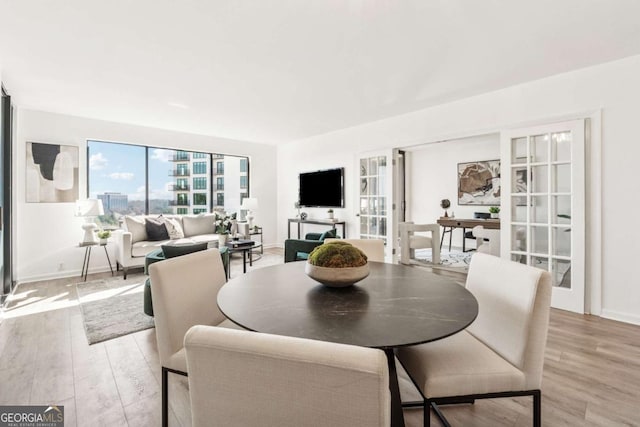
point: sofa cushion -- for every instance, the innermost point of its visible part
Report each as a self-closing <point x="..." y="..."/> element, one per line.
<point x="135" y="226"/>
<point x="156" y="230"/>
<point x="205" y="238"/>
<point x="174" y="227"/>
<point x="141" y="249"/>
<point x="171" y="251"/>
<point x="198" y="224"/>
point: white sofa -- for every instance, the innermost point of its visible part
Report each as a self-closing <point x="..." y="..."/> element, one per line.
<point x="132" y="244"/>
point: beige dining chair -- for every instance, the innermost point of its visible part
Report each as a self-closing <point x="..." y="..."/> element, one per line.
<point x="419" y="236"/>
<point x="253" y="379"/>
<point x="184" y="294"/>
<point x="501" y="353"/>
<point x="372" y="248"/>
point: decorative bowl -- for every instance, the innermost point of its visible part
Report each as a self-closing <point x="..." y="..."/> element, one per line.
<point x="337" y="277"/>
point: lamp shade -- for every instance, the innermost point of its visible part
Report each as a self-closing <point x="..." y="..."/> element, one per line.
<point x="89" y="207"/>
<point x="250" y="204"/>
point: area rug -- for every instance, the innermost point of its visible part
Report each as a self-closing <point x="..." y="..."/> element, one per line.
<point x="112" y="307"/>
<point x="454" y="260"/>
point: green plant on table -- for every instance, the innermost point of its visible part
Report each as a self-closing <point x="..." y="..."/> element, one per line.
<point x="337" y="255"/>
<point x="494" y="210"/>
<point x="104" y="234"/>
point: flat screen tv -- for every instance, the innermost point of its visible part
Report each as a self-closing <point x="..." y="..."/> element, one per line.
<point x="322" y="189"/>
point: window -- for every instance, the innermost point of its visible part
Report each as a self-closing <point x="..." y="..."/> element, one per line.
<point x="199" y="211"/>
<point x="181" y="184"/>
<point x="117" y="177"/>
<point x="182" y="199"/>
<point x="160" y="185"/>
<point x="182" y="169"/>
<point x="199" y="167"/>
<point x="136" y="180"/>
<point x="181" y="155"/>
<point x="200" y="183"/>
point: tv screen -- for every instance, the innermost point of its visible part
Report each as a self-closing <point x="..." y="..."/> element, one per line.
<point x="322" y="189"/>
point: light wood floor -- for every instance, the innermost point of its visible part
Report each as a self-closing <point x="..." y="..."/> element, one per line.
<point x="591" y="374"/>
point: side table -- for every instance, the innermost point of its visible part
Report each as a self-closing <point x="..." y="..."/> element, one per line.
<point x="87" y="257"/>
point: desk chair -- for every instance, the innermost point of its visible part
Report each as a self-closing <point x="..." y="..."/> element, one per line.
<point x="412" y="238"/>
<point x="254" y="379"/>
<point x="501" y="354"/>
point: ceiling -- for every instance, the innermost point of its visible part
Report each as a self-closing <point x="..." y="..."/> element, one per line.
<point x="276" y="71"/>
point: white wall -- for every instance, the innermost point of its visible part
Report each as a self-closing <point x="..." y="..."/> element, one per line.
<point x="432" y="176"/>
<point x="47" y="234"/>
<point x="613" y="87"/>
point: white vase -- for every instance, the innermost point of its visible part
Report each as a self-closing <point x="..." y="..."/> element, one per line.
<point x="495" y="215"/>
<point x="222" y="240"/>
<point x="330" y="215"/>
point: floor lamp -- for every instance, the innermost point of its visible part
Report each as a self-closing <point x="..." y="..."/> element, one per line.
<point x="89" y="209"/>
<point x="250" y="204"/>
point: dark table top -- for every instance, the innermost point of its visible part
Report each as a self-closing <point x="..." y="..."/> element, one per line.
<point x="394" y="306"/>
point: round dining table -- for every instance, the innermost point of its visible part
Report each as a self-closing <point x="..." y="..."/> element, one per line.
<point x="394" y="306"/>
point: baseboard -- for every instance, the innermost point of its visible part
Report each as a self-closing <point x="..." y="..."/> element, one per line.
<point x="63" y="275"/>
<point x="620" y="316"/>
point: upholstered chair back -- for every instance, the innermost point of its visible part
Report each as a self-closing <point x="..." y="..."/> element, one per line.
<point x="240" y="378"/>
<point x="373" y="248"/>
<point x="513" y="316"/>
<point x="184" y="294"/>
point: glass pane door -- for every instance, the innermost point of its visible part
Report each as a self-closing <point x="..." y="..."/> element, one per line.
<point x="374" y="196"/>
<point x="544" y="205"/>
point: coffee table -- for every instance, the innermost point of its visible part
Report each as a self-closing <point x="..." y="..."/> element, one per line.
<point x="395" y="306"/>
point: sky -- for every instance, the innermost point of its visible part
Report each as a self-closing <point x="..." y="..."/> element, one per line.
<point x="120" y="168"/>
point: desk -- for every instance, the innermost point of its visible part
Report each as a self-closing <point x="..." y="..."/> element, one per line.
<point x="395" y="306"/>
<point x="317" y="222"/>
<point x="451" y="223"/>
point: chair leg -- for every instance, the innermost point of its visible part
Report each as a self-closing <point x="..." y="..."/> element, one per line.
<point x="426" y="422"/>
<point x="537" y="409"/>
<point x="165" y="397"/>
<point x="124" y="269"/>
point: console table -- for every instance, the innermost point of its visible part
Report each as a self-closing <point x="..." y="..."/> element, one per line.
<point x="464" y="223"/>
<point x="317" y="222"/>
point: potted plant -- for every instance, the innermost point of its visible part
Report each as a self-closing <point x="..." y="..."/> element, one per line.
<point x="337" y="264"/>
<point x="223" y="223"/>
<point x="494" y="211"/>
<point x="103" y="235"/>
<point x="330" y="213"/>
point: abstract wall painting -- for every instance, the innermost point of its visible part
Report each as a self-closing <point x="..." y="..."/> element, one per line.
<point x="479" y="183"/>
<point x="52" y="173"/>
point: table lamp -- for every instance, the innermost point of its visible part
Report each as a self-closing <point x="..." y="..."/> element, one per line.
<point x="250" y="204"/>
<point x="89" y="209"/>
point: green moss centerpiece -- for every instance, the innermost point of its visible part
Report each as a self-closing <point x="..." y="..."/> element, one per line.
<point x="337" y="264"/>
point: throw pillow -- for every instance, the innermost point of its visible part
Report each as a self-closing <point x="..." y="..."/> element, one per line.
<point x="174" y="228"/>
<point x="171" y="251"/>
<point x="136" y="227"/>
<point x="328" y="235"/>
<point x="156" y="230"/>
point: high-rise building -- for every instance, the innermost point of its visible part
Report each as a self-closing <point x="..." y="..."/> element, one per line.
<point x="114" y="202"/>
<point x="194" y="172"/>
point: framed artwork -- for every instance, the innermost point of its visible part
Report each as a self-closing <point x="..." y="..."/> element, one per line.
<point x="479" y="183"/>
<point x="52" y="173"/>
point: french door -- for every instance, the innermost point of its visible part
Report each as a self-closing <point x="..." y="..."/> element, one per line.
<point x="543" y="205"/>
<point x="376" y="210"/>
